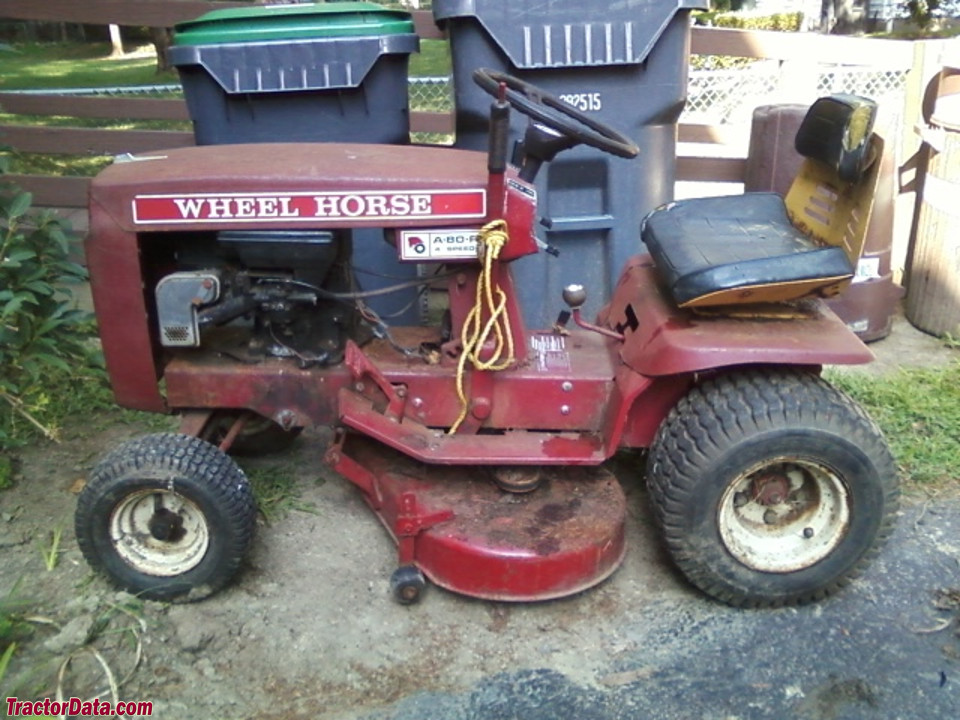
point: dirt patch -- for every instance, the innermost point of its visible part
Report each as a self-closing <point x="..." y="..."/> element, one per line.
<point x="308" y="629"/>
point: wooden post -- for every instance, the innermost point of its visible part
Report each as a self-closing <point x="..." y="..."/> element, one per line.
<point x="918" y="104"/>
<point x="933" y="293"/>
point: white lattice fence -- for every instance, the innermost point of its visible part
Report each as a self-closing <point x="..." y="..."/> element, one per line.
<point x="717" y="97"/>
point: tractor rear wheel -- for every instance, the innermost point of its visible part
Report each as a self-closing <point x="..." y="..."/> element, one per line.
<point x="771" y="487"/>
<point x="166" y="517"/>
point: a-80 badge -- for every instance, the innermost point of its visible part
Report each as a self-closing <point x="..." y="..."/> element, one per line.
<point x="446" y="244"/>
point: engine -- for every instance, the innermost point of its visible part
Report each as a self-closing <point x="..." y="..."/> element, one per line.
<point x="261" y="294"/>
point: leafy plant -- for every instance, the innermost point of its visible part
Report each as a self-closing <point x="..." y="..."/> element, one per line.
<point x="40" y="331"/>
<point x="923" y="13"/>
<point x="12" y="627"/>
<point x="6" y="473"/>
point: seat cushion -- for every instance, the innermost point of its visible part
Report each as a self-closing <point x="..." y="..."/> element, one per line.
<point x="737" y="249"/>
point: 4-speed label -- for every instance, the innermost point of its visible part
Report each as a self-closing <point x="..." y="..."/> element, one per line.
<point x="447" y="244"/>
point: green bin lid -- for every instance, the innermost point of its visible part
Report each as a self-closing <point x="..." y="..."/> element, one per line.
<point x="290" y="22"/>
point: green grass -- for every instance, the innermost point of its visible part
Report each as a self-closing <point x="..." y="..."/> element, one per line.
<point x="433" y="60"/>
<point x="69" y="65"/>
<point x="918" y="410"/>
<point x="60" y="165"/>
<point x="6" y="472"/>
<point x="275" y="488"/>
<point x="13" y="628"/>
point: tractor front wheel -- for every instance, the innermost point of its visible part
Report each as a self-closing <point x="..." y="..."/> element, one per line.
<point x="771" y="487"/>
<point x="166" y="517"/>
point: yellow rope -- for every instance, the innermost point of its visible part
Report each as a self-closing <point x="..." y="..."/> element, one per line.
<point x="476" y="333"/>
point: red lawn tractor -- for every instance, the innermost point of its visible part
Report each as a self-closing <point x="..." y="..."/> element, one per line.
<point x="224" y="291"/>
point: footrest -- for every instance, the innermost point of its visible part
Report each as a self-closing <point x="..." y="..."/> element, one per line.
<point x="435" y="446"/>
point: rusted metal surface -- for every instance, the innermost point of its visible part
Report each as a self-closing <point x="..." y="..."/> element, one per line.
<point x="638" y="405"/>
<point x="462" y="293"/>
<point x="116" y="284"/>
<point x="579" y="404"/>
<point x="274" y="388"/>
<point x="662" y="339"/>
<point x="468" y="536"/>
<point x="232" y="183"/>
<point x="520" y="447"/>
<point x="564" y="384"/>
<point x="283" y="170"/>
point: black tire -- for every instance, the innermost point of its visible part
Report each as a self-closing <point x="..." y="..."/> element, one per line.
<point x="771" y="487"/>
<point x="259" y="436"/>
<point x="166" y="517"/>
<point x="407" y="584"/>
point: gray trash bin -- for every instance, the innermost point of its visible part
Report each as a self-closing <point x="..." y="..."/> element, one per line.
<point x="311" y="72"/>
<point x="623" y="62"/>
<point x="315" y="72"/>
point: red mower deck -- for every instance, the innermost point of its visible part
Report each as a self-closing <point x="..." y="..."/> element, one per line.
<point x="467" y="535"/>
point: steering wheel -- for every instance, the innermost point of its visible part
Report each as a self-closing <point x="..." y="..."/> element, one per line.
<point x="555" y="114"/>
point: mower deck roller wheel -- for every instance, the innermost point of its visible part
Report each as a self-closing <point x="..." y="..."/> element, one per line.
<point x="467" y="535"/>
<point x="406" y="584"/>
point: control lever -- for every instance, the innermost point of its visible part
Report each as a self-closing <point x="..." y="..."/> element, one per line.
<point x="575" y="296"/>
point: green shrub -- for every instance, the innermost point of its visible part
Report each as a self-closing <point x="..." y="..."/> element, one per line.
<point x="40" y="331"/>
<point x="782" y="22"/>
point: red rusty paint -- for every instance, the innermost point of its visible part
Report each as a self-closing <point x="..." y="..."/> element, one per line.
<point x="276" y="169"/>
<point x="122" y="287"/>
<point x="531" y="395"/>
<point x="668" y="340"/>
<point x="517" y="447"/>
<point x="273" y="388"/>
<point x="116" y="284"/>
<point x="470" y="537"/>
<point x="638" y="405"/>
<point x="462" y="293"/>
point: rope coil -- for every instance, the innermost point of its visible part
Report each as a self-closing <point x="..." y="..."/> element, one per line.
<point x="476" y="333"/>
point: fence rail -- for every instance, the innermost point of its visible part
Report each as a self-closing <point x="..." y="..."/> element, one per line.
<point x="787" y="67"/>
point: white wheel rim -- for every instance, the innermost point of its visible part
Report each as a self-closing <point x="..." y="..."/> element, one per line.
<point x="131" y="536"/>
<point x="784" y="515"/>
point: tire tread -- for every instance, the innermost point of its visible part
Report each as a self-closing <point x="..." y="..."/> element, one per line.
<point x="176" y="456"/>
<point x="702" y="425"/>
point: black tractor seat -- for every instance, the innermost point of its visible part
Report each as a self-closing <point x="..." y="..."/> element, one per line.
<point x="763" y="248"/>
<point x="737" y="247"/>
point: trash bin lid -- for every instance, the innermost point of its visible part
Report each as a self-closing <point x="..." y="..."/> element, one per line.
<point x="570" y="33"/>
<point x="291" y="22"/>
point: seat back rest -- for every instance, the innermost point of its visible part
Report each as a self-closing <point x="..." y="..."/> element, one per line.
<point x="836" y="131"/>
<point x="832" y="196"/>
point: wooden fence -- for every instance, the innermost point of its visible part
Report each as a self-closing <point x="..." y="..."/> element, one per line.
<point x="798" y="55"/>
